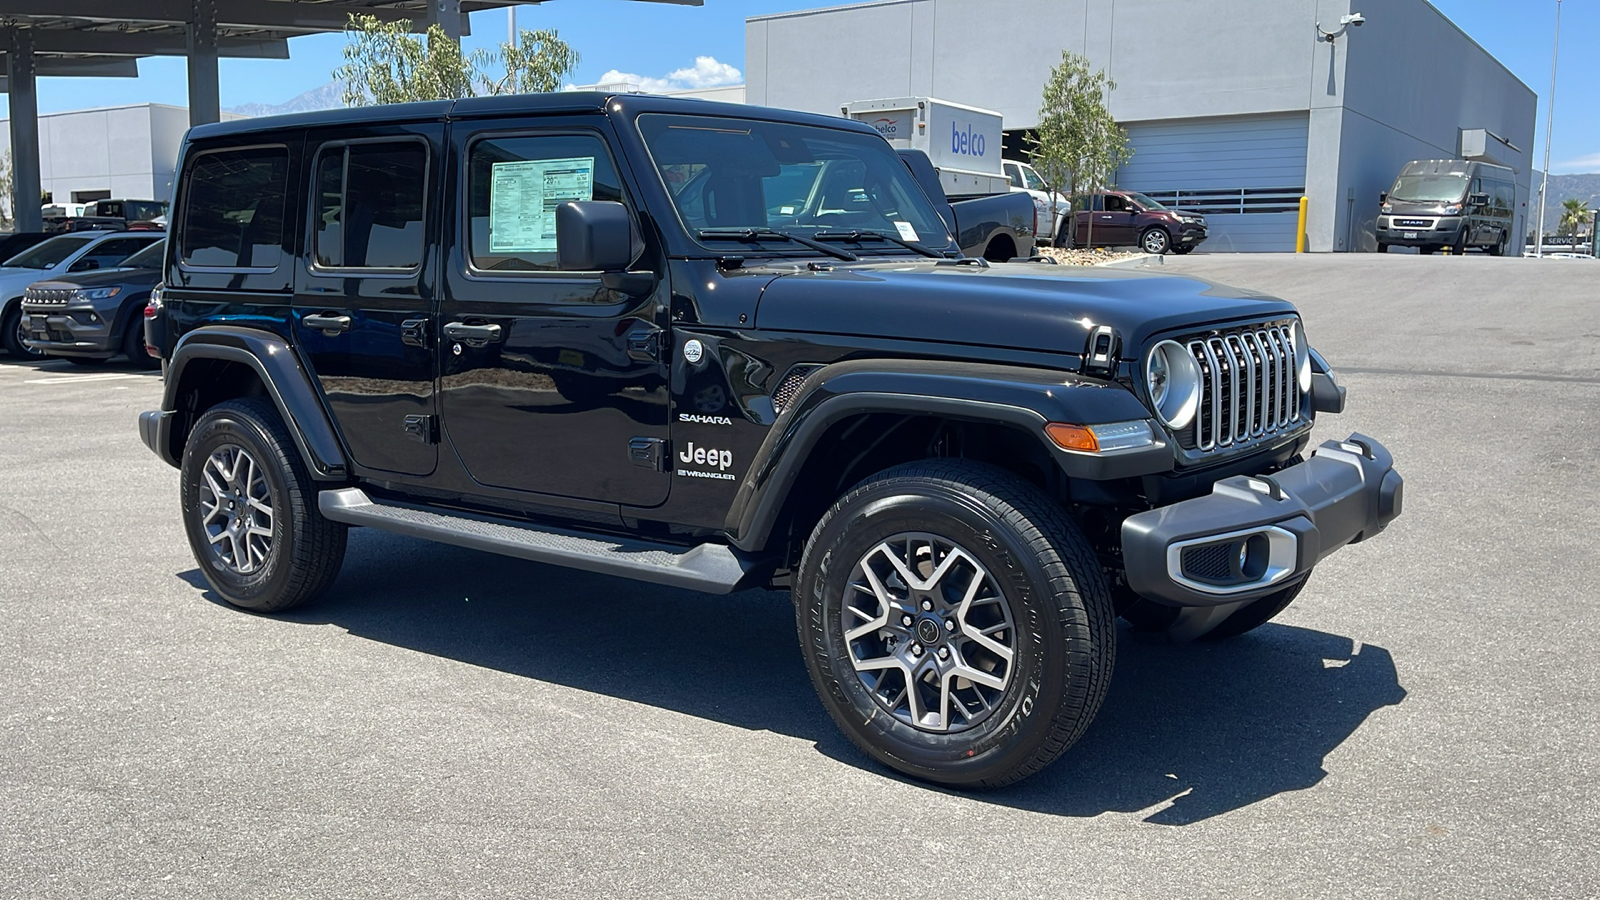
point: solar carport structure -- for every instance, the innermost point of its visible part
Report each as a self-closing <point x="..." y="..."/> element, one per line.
<point x="105" y="37"/>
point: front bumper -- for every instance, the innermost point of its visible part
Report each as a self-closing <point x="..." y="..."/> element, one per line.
<point x="1430" y="230"/>
<point x="1193" y="235"/>
<point x="1254" y="535"/>
<point x="74" y="331"/>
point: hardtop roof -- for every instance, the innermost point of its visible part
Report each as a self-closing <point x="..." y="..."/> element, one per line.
<point x="489" y="107"/>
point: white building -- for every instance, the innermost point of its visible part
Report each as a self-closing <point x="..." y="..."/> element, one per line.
<point x="127" y="152"/>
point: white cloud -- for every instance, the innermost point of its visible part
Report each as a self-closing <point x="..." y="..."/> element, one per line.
<point x="705" y="73"/>
<point x="1579" y="166"/>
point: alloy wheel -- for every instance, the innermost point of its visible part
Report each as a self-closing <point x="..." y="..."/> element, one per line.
<point x="236" y="509"/>
<point x="929" y="633"/>
<point x="23" y="349"/>
<point x="1155" y="241"/>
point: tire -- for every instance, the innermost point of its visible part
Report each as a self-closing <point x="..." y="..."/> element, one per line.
<point x="987" y="527"/>
<point x="1383" y="248"/>
<point x="1155" y="240"/>
<point x="1255" y="614"/>
<point x="1459" y="248"/>
<point x="1498" y="248"/>
<point x="299" y="553"/>
<point x="133" y="343"/>
<point x="11" y="335"/>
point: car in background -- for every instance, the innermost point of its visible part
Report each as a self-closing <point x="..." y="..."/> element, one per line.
<point x="1130" y="219"/>
<point x="62" y="254"/>
<point x="1050" y="207"/>
<point x="16" y="242"/>
<point x="1438" y="203"/>
<point x="89" y="317"/>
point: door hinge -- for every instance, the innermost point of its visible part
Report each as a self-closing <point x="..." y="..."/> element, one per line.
<point x="422" y="428"/>
<point x="414" y="332"/>
<point x="648" y="453"/>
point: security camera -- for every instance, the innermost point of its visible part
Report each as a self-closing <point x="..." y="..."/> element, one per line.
<point x="1355" y="19"/>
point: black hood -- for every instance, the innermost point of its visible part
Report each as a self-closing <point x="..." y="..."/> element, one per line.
<point x="1025" y="306"/>
<point x="136" y="279"/>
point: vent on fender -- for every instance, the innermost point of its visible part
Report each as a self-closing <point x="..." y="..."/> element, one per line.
<point x="789" y="388"/>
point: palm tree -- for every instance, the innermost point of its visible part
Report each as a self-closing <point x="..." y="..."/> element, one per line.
<point x="1574" y="212"/>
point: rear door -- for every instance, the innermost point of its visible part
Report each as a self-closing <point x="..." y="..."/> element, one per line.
<point x="363" y="307"/>
<point x="551" y="382"/>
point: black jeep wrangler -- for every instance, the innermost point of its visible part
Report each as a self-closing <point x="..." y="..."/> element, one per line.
<point x="574" y="328"/>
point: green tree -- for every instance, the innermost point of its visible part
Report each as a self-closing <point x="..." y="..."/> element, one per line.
<point x="386" y="63"/>
<point x="5" y="190"/>
<point x="1574" y="212"/>
<point x="1078" y="145"/>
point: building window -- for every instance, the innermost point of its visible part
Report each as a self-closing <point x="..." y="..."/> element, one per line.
<point x="369" y="206"/>
<point x="233" y="215"/>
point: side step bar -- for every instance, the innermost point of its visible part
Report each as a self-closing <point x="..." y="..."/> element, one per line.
<point x="712" y="568"/>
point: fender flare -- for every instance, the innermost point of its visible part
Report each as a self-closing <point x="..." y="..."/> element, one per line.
<point x="287" y="382"/>
<point x="1014" y="396"/>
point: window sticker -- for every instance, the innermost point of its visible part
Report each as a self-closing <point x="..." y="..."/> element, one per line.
<point x="907" y="233"/>
<point x="523" y="197"/>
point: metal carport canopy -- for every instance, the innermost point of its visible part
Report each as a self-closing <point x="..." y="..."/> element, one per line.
<point x="104" y="37"/>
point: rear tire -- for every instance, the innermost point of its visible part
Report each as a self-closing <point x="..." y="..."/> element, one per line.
<point x="250" y="510"/>
<point x="975" y="559"/>
<point x="133" y="344"/>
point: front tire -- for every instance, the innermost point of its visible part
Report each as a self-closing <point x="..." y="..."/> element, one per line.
<point x="1382" y="247"/>
<point x="249" y="508"/>
<point x="12" y="334"/>
<point x="1010" y="641"/>
<point x="1155" y="240"/>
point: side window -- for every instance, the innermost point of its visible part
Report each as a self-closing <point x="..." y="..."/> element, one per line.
<point x="1015" y="175"/>
<point x="234" y="208"/>
<point x="109" y="254"/>
<point x="1116" y="204"/>
<point x="514" y="185"/>
<point x="368" y="205"/>
<point x="1504" y="197"/>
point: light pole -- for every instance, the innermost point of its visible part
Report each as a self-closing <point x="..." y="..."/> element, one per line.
<point x="1549" y="126"/>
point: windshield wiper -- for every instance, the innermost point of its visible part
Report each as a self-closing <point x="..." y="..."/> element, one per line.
<point x="859" y="236"/>
<point x="769" y="234"/>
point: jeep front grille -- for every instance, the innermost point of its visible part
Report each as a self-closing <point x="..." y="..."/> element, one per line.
<point x="42" y="297"/>
<point x="1249" y="389"/>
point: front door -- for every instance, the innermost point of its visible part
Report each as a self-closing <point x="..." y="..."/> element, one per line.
<point x="363" y="298"/>
<point x="551" y="382"/>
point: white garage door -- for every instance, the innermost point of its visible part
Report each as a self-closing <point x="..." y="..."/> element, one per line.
<point x="1245" y="174"/>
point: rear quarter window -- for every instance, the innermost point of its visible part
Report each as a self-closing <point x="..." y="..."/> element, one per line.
<point x="234" y="204"/>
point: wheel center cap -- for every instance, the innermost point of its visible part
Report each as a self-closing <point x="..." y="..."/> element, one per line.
<point x="928" y="630"/>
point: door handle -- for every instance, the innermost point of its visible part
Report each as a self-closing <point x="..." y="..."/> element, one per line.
<point x="472" y="334"/>
<point x="328" y="324"/>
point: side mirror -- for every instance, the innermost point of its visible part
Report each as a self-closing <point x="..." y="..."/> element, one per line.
<point x="595" y="236"/>
<point x="84" y="265"/>
<point x="1383" y="197"/>
<point x="1478" y="200"/>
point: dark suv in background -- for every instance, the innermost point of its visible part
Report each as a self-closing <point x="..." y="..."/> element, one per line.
<point x="1130" y="219"/>
<point x="90" y="317"/>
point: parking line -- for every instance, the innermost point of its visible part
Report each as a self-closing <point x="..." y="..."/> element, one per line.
<point x="82" y="379"/>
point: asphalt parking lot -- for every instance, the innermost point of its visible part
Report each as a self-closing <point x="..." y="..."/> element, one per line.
<point x="1424" y="721"/>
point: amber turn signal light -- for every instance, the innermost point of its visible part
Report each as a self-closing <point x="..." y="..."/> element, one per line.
<point x="1072" y="437"/>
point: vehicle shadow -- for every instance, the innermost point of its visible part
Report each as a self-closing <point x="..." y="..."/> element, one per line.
<point x="1217" y="727"/>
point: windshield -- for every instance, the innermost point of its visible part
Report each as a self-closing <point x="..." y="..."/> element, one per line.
<point x="1429" y="188"/>
<point x="737" y="174"/>
<point x="148" y="258"/>
<point x="1144" y="202"/>
<point x="48" y="254"/>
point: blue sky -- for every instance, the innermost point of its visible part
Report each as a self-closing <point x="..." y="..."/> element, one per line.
<point x="661" y="39"/>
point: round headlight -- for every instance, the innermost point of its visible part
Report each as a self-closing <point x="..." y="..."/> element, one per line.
<point x="1302" y="357"/>
<point x="1173" y="380"/>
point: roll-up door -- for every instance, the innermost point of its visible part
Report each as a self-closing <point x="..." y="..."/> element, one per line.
<point x="1245" y="174"/>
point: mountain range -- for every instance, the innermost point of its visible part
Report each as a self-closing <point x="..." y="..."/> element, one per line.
<point x="328" y="96"/>
<point x="1564" y="187"/>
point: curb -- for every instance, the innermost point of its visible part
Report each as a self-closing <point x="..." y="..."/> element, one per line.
<point x="1134" y="262"/>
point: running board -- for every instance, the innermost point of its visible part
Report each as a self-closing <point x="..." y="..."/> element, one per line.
<point x="712" y="568"/>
